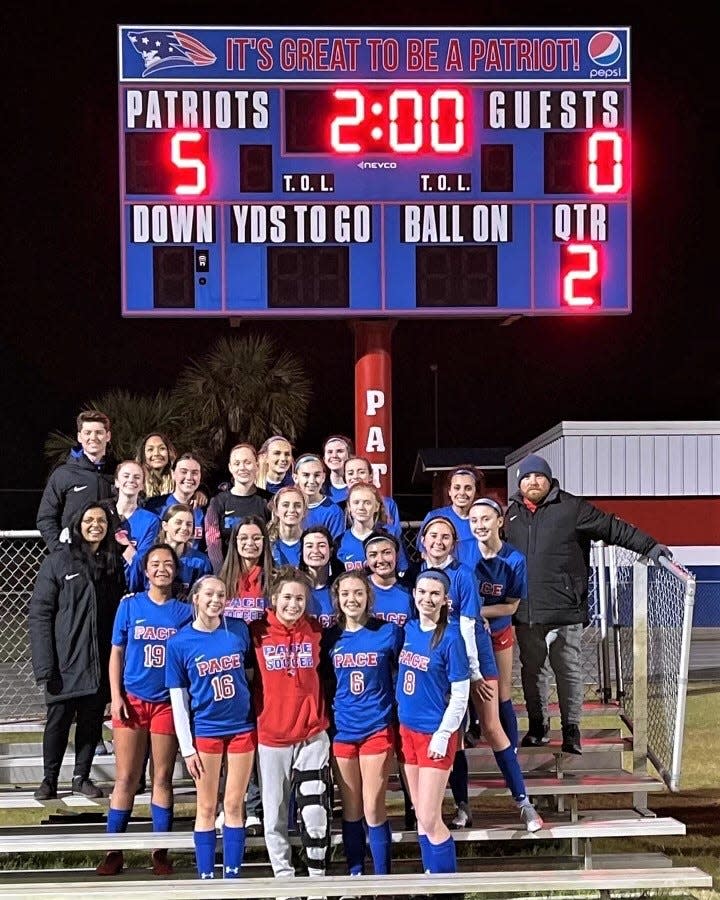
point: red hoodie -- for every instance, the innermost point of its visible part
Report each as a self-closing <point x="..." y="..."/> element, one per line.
<point x="289" y="701"/>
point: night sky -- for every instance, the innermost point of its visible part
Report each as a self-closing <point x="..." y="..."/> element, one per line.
<point x="64" y="340"/>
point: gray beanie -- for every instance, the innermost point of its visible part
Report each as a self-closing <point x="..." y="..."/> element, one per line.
<point x="533" y="463"/>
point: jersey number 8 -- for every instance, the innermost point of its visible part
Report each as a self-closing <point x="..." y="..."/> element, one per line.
<point x="409" y="682"/>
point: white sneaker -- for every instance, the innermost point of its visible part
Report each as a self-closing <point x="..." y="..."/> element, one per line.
<point x="220" y="820"/>
<point x="531" y="817"/>
<point x="463" y="817"/>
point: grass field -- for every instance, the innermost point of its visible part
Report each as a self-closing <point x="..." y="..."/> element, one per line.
<point x="697" y="804"/>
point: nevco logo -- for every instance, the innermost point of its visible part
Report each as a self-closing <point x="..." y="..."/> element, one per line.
<point x="377" y="165"/>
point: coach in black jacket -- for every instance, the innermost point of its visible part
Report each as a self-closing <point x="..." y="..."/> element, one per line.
<point x="554" y="529"/>
<point x="84" y="476"/>
<point x="71" y="615"/>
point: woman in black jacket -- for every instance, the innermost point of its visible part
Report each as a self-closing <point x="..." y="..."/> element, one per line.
<point x="71" y="615"/>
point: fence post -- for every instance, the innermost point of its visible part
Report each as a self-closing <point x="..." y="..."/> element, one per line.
<point x="640" y="680"/>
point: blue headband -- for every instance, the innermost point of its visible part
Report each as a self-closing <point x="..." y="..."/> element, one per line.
<point x="436" y="575"/>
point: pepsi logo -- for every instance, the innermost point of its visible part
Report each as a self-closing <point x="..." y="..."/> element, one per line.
<point x="605" y="48"/>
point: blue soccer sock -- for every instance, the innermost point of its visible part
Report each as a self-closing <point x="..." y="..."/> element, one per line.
<point x="353" y="836"/>
<point x="510" y="767"/>
<point x="205" y="853"/>
<point x="459" y="778"/>
<point x="380" y="840"/>
<point x="117" y="820"/>
<point x="442" y="856"/>
<point x="162" y="817"/>
<point x="508" y="720"/>
<point x="233" y="850"/>
<point x="424" y="842"/>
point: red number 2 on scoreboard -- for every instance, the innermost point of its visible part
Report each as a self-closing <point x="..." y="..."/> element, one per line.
<point x="580" y="271"/>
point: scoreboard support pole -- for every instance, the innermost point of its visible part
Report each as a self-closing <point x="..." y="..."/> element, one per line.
<point x="373" y="397"/>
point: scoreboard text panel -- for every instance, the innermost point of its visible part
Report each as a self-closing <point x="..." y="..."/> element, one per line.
<point x="354" y="172"/>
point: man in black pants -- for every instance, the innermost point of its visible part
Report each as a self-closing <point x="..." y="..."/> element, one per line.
<point x="554" y="529"/>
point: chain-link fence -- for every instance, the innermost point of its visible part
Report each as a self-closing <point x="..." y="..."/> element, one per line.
<point x="651" y="612"/>
<point x="21" y="553"/>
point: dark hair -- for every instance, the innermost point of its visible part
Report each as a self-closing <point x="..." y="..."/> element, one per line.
<point x="477" y="474"/>
<point x="335" y="567"/>
<point x="379" y="534"/>
<point x="156" y="485"/>
<point x="445" y="521"/>
<point x="233" y="567"/>
<point x="434" y="575"/>
<point x="160" y="545"/>
<point x="335" y="594"/>
<point x="339" y="437"/>
<point x="185" y="456"/>
<point x="107" y="559"/>
<point x="92" y="415"/>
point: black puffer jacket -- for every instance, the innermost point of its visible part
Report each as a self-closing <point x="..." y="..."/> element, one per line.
<point x="70" y="620"/>
<point x="556" y="540"/>
<point x="70" y="487"/>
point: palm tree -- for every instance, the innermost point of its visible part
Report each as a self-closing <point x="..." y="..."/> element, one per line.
<point x="132" y="416"/>
<point x="242" y="389"/>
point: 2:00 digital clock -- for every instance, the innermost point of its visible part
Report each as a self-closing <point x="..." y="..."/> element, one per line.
<point x="401" y="119"/>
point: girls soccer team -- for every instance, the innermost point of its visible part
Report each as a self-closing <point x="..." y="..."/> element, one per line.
<point x="316" y="688"/>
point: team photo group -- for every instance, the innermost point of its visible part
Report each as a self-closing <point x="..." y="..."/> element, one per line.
<point x="279" y="635"/>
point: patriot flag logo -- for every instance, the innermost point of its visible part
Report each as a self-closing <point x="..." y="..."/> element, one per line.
<point x="166" y="49"/>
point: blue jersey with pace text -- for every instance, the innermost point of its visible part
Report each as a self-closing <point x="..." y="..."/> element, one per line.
<point x="285" y="554"/>
<point x="500" y="578"/>
<point x="425" y="674"/>
<point x="350" y="551"/>
<point x="364" y="663"/>
<point x="142" y="628"/>
<point x="392" y="604"/>
<point x="210" y="665"/>
<point x="321" y="607"/>
<point x="328" y="514"/>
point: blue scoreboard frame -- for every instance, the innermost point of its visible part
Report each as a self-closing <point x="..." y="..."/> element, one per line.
<point x="354" y="172"/>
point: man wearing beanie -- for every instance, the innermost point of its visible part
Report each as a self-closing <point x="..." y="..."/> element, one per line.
<point x="554" y="529"/>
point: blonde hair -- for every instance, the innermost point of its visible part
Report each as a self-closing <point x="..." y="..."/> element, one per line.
<point x="262" y="458"/>
<point x="274" y="524"/>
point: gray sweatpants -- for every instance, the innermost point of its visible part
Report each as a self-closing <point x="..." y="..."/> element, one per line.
<point x="562" y="646"/>
<point x="275" y="765"/>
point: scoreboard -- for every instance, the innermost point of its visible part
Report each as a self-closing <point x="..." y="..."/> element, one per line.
<point x="359" y="172"/>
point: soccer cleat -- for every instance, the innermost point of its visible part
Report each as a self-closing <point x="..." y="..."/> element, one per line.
<point x="463" y="817"/>
<point x="161" y="863"/>
<point x="112" y="864"/>
<point x="531" y="817"/>
<point x="538" y="734"/>
<point x="571" y="740"/>
<point x="86" y="787"/>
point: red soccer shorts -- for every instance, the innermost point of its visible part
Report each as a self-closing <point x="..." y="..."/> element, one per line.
<point x="414" y="750"/>
<point x="245" y="742"/>
<point x="375" y="744"/>
<point x="156" y="718"/>
<point x="503" y="639"/>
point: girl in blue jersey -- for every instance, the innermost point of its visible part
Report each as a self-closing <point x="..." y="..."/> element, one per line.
<point x="287" y="511"/>
<point x="310" y="477"/>
<point x="363" y="652"/>
<point x="392" y="601"/>
<point x="439" y="542"/>
<point x="336" y="449"/>
<point x="138" y="527"/>
<point x="433" y="686"/>
<point x="464" y="484"/>
<point x="317" y="560"/>
<point x="365" y="513"/>
<point x="140" y="702"/>
<point x="275" y="463"/>
<point x="213" y="715"/>
<point x="176" y="529"/>
<point x="501" y="571"/>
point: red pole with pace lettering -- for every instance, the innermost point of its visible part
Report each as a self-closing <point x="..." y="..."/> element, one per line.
<point x="373" y="398"/>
